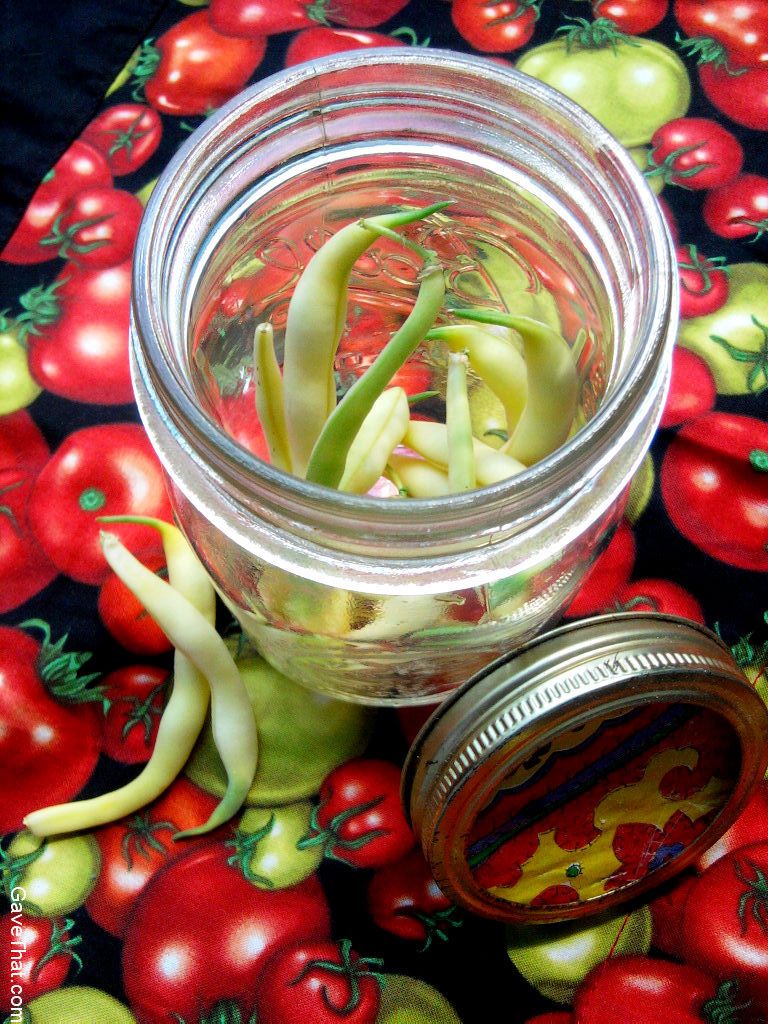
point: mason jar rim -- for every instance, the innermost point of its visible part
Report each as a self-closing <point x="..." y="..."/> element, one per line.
<point x="559" y="475"/>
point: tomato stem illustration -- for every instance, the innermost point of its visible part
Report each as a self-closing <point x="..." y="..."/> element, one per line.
<point x="141" y="834"/>
<point x="707" y="51"/>
<point x="592" y="35"/>
<point x="60" y="669"/>
<point x="63" y="940"/>
<point x="353" y="969"/>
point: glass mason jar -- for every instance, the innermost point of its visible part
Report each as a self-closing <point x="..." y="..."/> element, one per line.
<point x="373" y="599"/>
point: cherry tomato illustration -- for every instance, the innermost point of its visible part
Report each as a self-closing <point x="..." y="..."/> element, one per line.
<point x="632" y="16"/>
<point x="126" y="618"/>
<point x="736" y="33"/>
<point x="360" y="819"/>
<point x="98" y="228"/>
<point x="80" y="351"/>
<point x="667" y="916"/>
<point x="724" y="923"/>
<point x="703" y="282"/>
<point x="738" y="209"/>
<point x="45" y="724"/>
<point x="751" y="824"/>
<point x="652" y="595"/>
<point x="268" y="17"/>
<point x="638" y="989"/>
<point x="608" y="574"/>
<point x="196" y="68"/>
<point x="179" y="960"/>
<point x="97" y="471"/>
<point x="49" y="948"/>
<point x="24" y="569"/>
<point x="80" y="167"/>
<point x="325" y="982"/>
<point x="136" y="696"/>
<point x="312" y="43"/>
<point x="692" y="389"/>
<point x="133" y="850"/>
<point x="406" y="901"/>
<point x="715" y="463"/>
<point x="127" y="135"/>
<point x="695" y="152"/>
<point x="743" y="97"/>
<point x="495" y="26"/>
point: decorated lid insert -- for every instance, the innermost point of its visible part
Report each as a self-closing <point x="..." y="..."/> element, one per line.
<point x="580" y="770"/>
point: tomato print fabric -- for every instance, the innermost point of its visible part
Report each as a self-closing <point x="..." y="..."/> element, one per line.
<point x="315" y="903"/>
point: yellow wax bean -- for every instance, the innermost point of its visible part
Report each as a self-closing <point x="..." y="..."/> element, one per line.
<point x="315" y="321"/>
<point x="269" y="397"/>
<point x="421" y="479"/>
<point x="234" y="730"/>
<point x="552" y="385"/>
<point x="183" y="717"/>
<point x="461" y="454"/>
<point x="381" y="431"/>
<point x="495" y="360"/>
<point x="431" y="441"/>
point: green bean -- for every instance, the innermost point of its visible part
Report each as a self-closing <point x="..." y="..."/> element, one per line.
<point x="497" y="362"/>
<point x="430" y="440"/>
<point x="234" y="730"/>
<point x="316" y="316"/>
<point x="461" y="453"/>
<point x="419" y="478"/>
<point x="552" y="385"/>
<point x="380" y="433"/>
<point x="269" y="397"/>
<point x="326" y="464"/>
<point x="182" y="720"/>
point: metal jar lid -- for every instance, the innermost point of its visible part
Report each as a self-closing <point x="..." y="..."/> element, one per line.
<point x="584" y="768"/>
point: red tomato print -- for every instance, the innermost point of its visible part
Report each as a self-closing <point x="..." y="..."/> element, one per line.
<point x="608" y="574"/>
<point x="737" y="33"/>
<point x="724" y="925"/>
<point x="268" y="17"/>
<point x="320" y="42"/>
<point x="201" y="934"/>
<point x="81" y="351"/>
<point x="742" y="97"/>
<point x="667" y="916"/>
<point x="137" y="696"/>
<point x="713" y="464"/>
<point x="405" y="900"/>
<point x="98" y="228"/>
<point x="127" y="134"/>
<point x="47" y="946"/>
<point x="97" y="471"/>
<point x="133" y="850"/>
<point x="41" y="733"/>
<point x="691" y="391"/>
<point x="695" y="152"/>
<point x="750" y="825"/>
<point x="360" y="819"/>
<point x="703" y="282"/>
<point x="126" y="617"/>
<point x="323" y="982"/>
<point x="80" y="167"/>
<point x="738" y="209"/>
<point x="495" y="26"/>
<point x="634" y="17"/>
<point x="659" y="596"/>
<point x="199" y="68"/>
<point x="24" y="570"/>
<point x="637" y="990"/>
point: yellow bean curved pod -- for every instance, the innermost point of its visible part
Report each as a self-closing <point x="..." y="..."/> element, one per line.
<point x="458" y="422"/>
<point x="431" y="441"/>
<point x="552" y="385"/>
<point x="315" y="320"/>
<point x="495" y="360"/>
<point x="183" y="717"/>
<point x="421" y="479"/>
<point x="382" y="430"/>
<point x="269" y="397"/>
